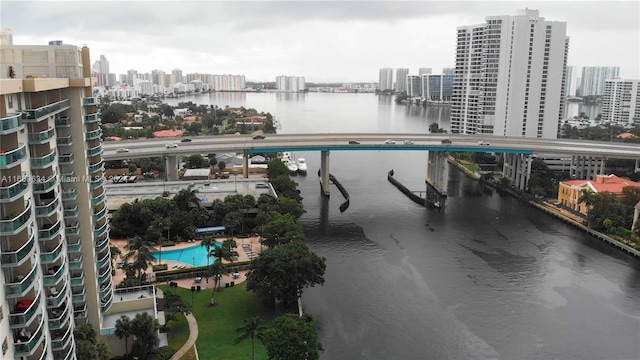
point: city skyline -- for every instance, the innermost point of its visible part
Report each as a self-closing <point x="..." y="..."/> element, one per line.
<point x="321" y="41"/>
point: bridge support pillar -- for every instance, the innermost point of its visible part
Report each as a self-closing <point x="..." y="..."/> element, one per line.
<point x="171" y="167"/>
<point x="517" y="168"/>
<point x="245" y="165"/>
<point x="324" y="172"/>
<point x="637" y="169"/>
<point x="438" y="171"/>
<point x="586" y="167"/>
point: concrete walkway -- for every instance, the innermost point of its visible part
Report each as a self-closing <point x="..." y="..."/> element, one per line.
<point x="191" y="342"/>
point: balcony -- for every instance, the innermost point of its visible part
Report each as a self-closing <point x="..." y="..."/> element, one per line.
<point x="14" y="258"/>
<point x="9" y="159"/>
<point x="44" y="111"/>
<point x="53" y="276"/>
<point x="73" y="246"/>
<point x="49" y="209"/>
<point x="41" y="137"/>
<point x="101" y="230"/>
<point x="71" y="211"/>
<point x="66" y="159"/>
<point x="11" y="192"/>
<point x="63" y="121"/>
<point x="45" y="186"/>
<point x="64" y="140"/>
<point x="49" y="257"/>
<point x="28" y="347"/>
<point x="58" y="317"/>
<point x="90" y="101"/>
<point x="11" y="124"/>
<point x="104" y="291"/>
<point x="60" y="339"/>
<point x="72" y="229"/>
<point x="104" y="260"/>
<point x="21" y="284"/>
<point x="105" y="303"/>
<point x="94" y="151"/>
<point x="78" y="280"/>
<point x="69" y="195"/>
<point x="96" y="183"/>
<point x="56" y="297"/>
<point x="91" y="118"/>
<point x="44" y="161"/>
<point x="75" y="263"/>
<point x="99" y="166"/>
<point x="64" y="355"/>
<point x="99" y="199"/>
<point x="48" y="233"/>
<point x="100" y="214"/>
<point x="20" y="319"/>
<point x="94" y="134"/>
<point x="80" y="297"/>
<point x="15" y="223"/>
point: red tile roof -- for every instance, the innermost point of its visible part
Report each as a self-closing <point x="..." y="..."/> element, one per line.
<point x="168" y="133"/>
<point x="611" y="183"/>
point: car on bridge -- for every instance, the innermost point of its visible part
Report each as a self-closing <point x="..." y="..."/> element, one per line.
<point x="185" y="140"/>
<point x="258" y="137"/>
<point x="446" y="141"/>
<point x="171" y="145"/>
<point x="122" y="150"/>
<point x="353" y="142"/>
<point x="408" y="142"/>
<point x="390" y="142"/>
<point x="483" y="142"/>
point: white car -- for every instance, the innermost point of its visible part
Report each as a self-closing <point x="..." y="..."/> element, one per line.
<point x="408" y="142"/>
<point x="390" y="142"/>
<point x="171" y="145"/>
<point x="122" y="150"/>
<point x="482" y="142"/>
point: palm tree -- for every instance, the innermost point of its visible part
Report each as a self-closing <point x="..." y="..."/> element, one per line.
<point x="215" y="270"/>
<point x="123" y="330"/>
<point x="588" y="197"/>
<point x="208" y="241"/>
<point x="252" y="329"/>
<point x="103" y="351"/>
<point x="115" y="253"/>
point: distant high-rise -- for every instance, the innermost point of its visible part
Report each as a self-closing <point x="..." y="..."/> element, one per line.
<point x="386" y="79"/>
<point x="621" y="101"/>
<point x="229" y="82"/>
<point x="448" y="71"/>
<point x="158" y="77"/>
<point x="6" y="37"/>
<point x="593" y="78"/>
<point x="401" y="79"/>
<point x="101" y="71"/>
<point x="414" y="86"/>
<point x="510" y="76"/>
<point x="290" y="83"/>
<point x="177" y="73"/>
<point x="439" y="88"/>
<point x="131" y="76"/>
<point x="571" y="81"/>
<point x="424" y="71"/>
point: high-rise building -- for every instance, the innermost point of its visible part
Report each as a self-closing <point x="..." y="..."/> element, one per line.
<point x="158" y="77"/>
<point x="438" y="88"/>
<point x="385" y="81"/>
<point x="621" y="101"/>
<point x="228" y="82"/>
<point x="177" y="73"/>
<point x="56" y="265"/>
<point x="510" y="76"/>
<point x="448" y="71"/>
<point x="424" y="71"/>
<point x="290" y="83"/>
<point x="593" y="78"/>
<point x="131" y="76"/>
<point x="571" y="81"/>
<point x="414" y="86"/>
<point x="101" y="71"/>
<point x="401" y="79"/>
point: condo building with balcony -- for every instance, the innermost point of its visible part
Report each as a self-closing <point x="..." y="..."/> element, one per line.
<point x="54" y="231"/>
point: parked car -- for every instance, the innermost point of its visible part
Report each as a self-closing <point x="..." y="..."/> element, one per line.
<point x="408" y="142"/>
<point x="390" y="142"/>
<point x="353" y="142"/>
<point x="171" y="145"/>
<point x="446" y="141"/>
<point x="258" y="137"/>
<point x="185" y="140"/>
<point x="482" y="142"/>
<point x="122" y="150"/>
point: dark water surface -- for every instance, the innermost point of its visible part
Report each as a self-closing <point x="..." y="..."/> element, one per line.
<point x="487" y="277"/>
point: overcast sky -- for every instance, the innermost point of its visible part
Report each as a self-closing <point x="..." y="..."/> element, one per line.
<point x="324" y="41"/>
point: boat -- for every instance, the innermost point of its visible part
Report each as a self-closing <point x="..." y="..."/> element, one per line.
<point x="302" y="166"/>
<point x="289" y="163"/>
<point x="293" y="167"/>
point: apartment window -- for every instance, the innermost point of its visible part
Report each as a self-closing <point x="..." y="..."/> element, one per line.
<point x="10" y="101"/>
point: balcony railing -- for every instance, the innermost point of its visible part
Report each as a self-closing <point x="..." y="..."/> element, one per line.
<point x="75" y="263"/>
<point x="48" y="209"/>
<point x="66" y="159"/>
<point x="94" y="134"/>
<point x="91" y="118"/>
<point x="90" y="101"/>
<point x="49" y="257"/>
<point x="51" y="232"/>
<point x="12" y="258"/>
<point x="53" y="276"/>
<point x="105" y="303"/>
<point x="63" y="121"/>
<point x="101" y="230"/>
<point x="47" y="110"/>
<point x="69" y="195"/>
<point x="57" y="318"/>
<point x="45" y="186"/>
<point x="64" y="140"/>
<point x="94" y="151"/>
<point x="72" y="229"/>
<point x="11" y="123"/>
<point x="42" y="136"/>
<point x="20" y="286"/>
<point x="13" y="191"/>
<point x="61" y="342"/>
<point x="96" y="183"/>
<point x="56" y="299"/>
<point x="10" y="158"/>
<point x="93" y="168"/>
<point x="44" y="161"/>
<point x="27" y="348"/>
<point x="14" y="224"/>
<point x="23" y="319"/>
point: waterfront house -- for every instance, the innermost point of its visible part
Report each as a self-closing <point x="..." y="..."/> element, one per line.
<point x="569" y="192"/>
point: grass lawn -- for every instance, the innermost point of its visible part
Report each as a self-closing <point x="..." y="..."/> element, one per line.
<point x="216" y="325"/>
<point x="471" y="167"/>
<point x="178" y="332"/>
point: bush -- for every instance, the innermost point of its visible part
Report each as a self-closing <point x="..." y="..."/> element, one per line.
<point x="164" y="353"/>
<point x="160" y="267"/>
<point x="129" y="283"/>
<point x="168" y="243"/>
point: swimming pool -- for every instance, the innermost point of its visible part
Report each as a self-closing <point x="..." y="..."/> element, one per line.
<point x="195" y="255"/>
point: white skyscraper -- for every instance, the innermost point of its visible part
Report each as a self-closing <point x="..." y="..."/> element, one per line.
<point x="571" y="81"/>
<point x="510" y="76"/>
<point x="621" y="101"/>
<point x="401" y="79"/>
<point x="290" y="83"/>
<point x="386" y="79"/>
<point x="593" y="78"/>
<point x="424" y="71"/>
<point x="101" y="71"/>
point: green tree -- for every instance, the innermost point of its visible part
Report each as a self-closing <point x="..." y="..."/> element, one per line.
<point x="208" y="242"/>
<point x="276" y="168"/>
<point x="282" y="229"/>
<point x="195" y="161"/>
<point x="145" y="329"/>
<point x="252" y="329"/>
<point x="123" y="330"/>
<point x="222" y="165"/>
<point x="86" y="339"/>
<point x="292" y="337"/>
<point x="103" y="351"/>
<point x="588" y="197"/>
<point x="115" y="254"/>
<point x="173" y="304"/>
<point x="215" y="271"/>
<point x="283" y="272"/>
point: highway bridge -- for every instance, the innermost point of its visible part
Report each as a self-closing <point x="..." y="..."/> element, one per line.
<point x="587" y="156"/>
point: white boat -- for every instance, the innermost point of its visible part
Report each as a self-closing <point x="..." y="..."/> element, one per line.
<point x="302" y="166"/>
<point x="293" y="167"/>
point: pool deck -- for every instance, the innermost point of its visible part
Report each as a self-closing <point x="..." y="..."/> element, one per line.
<point x="243" y="255"/>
